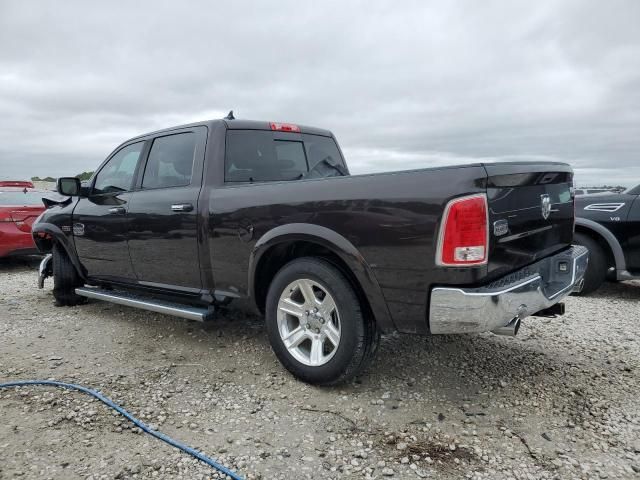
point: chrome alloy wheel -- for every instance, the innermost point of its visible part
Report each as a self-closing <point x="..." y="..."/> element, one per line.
<point x="309" y="322"/>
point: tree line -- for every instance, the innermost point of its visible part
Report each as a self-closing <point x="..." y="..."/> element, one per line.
<point x="82" y="176"/>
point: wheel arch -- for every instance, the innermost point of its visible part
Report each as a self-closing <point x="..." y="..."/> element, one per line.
<point x="46" y="234"/>
<point x="287" y="242"/>
<point x="606" y="239"/>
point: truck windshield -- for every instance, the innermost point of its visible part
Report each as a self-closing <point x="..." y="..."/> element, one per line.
<point x="261" y="156"/>
<point x="634" y="191"/>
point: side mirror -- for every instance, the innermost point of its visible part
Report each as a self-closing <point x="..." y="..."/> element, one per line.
<point x="68" y="186"/>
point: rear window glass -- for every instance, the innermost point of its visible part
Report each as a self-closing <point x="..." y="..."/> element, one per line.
<point x="260" y="156"/>
<point x="21" y="198"/>
<point x="323" y="156"/>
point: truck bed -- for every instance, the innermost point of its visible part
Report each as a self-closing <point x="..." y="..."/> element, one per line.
<point x="393" y="219"/>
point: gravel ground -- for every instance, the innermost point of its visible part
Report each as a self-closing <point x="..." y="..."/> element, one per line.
<point x="558" y="401"/>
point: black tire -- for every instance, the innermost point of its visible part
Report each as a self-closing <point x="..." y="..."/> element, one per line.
<point x="359" y="337"/>
<point x="596" y="272"/>
<point x="65" y="279"/>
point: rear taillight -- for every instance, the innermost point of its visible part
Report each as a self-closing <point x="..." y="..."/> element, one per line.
<point x="464" y="233"/>
<point x="285" y="127"/>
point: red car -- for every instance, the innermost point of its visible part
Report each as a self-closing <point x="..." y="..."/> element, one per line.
<point x="16" y="183"/>
<point x="19" y="207"/>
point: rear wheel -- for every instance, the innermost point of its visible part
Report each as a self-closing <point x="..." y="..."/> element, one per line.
<point x="317" y="327"/>
<point x="65" y="279"/>
<point x="597" y="269"/>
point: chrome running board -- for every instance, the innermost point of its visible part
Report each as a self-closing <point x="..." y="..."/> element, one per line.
<point x="199" y="314"/>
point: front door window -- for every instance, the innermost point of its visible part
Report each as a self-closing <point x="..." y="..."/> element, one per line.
<point x="117" y="174"/>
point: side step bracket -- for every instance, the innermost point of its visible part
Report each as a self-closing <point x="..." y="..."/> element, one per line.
<point x="199" y="314"/>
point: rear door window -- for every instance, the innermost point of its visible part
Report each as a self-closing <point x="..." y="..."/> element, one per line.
<point x="170" y="162"/>
<point x="262" y="156"/>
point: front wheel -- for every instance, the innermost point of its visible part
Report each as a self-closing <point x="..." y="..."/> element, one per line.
<point x="65" y="279"/>
<point x="317" y="327"/>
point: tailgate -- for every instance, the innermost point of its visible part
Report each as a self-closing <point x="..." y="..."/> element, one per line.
<point x="530" y="213"/>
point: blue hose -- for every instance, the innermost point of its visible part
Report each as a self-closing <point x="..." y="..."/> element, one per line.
<point x="134" y="420"/>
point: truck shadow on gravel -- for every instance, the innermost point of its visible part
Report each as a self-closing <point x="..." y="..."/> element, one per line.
<point x="460" y="361"/>
<point x="454" y="365"/>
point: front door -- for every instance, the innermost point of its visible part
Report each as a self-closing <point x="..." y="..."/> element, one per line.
<point x="163" y="235"/>
<point x="100" y="222"/>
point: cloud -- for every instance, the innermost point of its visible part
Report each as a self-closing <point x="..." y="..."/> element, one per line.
<point x="401" y="85"/>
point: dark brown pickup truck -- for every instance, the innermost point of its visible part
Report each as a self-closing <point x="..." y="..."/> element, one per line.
<point x="183" y="220"/>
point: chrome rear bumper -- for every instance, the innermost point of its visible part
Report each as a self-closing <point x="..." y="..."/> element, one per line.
<point x="518" y="295"/>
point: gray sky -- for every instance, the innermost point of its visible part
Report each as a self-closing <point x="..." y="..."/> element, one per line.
<point x="401" y="84"/>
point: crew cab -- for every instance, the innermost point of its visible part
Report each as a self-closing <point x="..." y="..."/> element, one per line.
<point x="184" y="220"/>
<point x="608" y="224"/>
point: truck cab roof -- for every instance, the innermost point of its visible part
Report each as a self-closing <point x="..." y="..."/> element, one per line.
<point x="238" y="125"/>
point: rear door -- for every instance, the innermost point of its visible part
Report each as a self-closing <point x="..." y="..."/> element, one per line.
<point x="100" y="221"/>
<point x="530" y="213"/>
<point x="163" y="212"/>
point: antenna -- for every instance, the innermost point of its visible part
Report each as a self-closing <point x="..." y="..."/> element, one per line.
<point x="230" y="116"/>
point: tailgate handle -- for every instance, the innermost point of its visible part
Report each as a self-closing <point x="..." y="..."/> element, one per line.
<point x="117" y="210"/>
<point x="181" y="207"/>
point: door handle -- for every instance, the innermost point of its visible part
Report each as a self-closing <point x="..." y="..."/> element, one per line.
<point x="117" y="210"/>
<point x="181" y="207"/>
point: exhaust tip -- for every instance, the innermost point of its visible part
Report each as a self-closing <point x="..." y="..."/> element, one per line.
<point x="516" y="327"/>
<point x="510" y="329"/>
